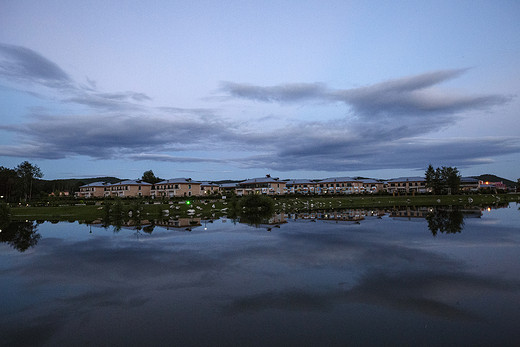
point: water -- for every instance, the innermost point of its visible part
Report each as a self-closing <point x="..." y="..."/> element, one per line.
<point x="362" y="277"/>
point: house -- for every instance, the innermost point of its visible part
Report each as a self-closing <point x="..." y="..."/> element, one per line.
<point x="265" y="185"/>
<point x="469" y="184"/>
<point x="209" y="188"/>
<point x="371" y="186"/>
<point x="406" y="185"/>
<point x="301" y="186"/>
<point x="92" y="190"/>
<point x="339" y="185"/>
<point x="227" y="188"/>
<point x="128" y="188"/>
<point x="492" y="185"/>
<point x="176" y="187"/>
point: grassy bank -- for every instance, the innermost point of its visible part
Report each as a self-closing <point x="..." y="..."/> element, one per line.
<point x="217" y="208"/>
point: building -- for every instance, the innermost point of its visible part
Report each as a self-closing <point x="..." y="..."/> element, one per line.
<point x="469" y="184"/>
<point x="492" y="185"/>
<point x="339" y="185"/>
<point x="371" y="186"/>
<point x="265" y="185"/>
<point x="406" y="185"/>
<point x="176" y="187"/>
<point x="302" y="186"/>
<point x="92" y="190"/>
<point x="128" y="188"/>
<point x="209" y="188"/>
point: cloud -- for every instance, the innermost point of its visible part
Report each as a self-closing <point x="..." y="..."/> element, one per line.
<point x="282" y="93"/>
<point x="405" y="97"/>
<point x="24" y="64"/>
<point x="386" y="125"/>
<point x="108" y="136"/>
<point x="173" y="159"/>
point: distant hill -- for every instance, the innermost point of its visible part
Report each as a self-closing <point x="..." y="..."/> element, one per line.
<point x="494" y="178"/>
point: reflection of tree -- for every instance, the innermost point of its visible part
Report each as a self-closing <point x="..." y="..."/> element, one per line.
<point x="20" y="235"/>
<point x="255" y="209"/>
<point x="445" y="221"/>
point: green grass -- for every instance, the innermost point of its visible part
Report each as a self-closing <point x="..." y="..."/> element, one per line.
<point x="204" y="208"/>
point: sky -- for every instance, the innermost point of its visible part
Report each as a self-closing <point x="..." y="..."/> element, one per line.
<point x="218" y="90"/>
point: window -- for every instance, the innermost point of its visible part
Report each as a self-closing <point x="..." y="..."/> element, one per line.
<point x="189" y="186"/>
<point x="176" y="186"/>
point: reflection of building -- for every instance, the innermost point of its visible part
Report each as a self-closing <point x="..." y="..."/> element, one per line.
<point x="176" y="187"/>
<point x="265" y="185"/>
<point x="411" y="212"/>
<point x="340" y="215"/>
<point x="179" y="222"/>
<point x="406" y="185"/>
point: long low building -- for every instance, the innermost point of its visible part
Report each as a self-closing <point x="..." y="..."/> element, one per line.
<point x="186" y="187"/>
<point x="127" y="188"/>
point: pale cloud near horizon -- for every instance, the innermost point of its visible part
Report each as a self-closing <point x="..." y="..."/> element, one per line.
<point x="386" y="125"/>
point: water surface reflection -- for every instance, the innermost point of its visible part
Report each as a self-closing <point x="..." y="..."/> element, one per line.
<point x="311" y="281"/>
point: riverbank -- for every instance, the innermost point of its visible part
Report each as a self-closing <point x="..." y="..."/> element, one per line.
<point x="214" y="208"/>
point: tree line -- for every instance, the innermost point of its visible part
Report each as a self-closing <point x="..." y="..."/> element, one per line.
<point x="18" y="184"/>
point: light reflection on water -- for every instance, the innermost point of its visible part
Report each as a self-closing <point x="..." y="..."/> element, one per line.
<point x="414" y="276"/>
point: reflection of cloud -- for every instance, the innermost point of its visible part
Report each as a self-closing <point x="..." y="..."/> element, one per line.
<point x="176" y="276"/>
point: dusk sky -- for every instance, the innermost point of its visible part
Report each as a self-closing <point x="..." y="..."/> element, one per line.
<point x="236" y="89"/>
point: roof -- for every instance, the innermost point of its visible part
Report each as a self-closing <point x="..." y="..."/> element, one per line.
<point x="300" y="181"/>
<point x="130" y="183"/>
<point x="95" y="184"/>
<point x="369" y="180"/>
<point x="262" y="180"/>
<point x="407" y="179"/>
<point x="468" y="180"/>
<point x="228" y="185"/>
<point x="207" y="184"/>
<point x="178" y="180"/>
<point x="338" y="179"/>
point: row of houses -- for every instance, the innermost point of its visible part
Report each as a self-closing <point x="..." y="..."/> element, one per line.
<point x="186" y="187"/>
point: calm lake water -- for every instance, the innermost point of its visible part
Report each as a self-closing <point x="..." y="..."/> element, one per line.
<point x="352" y="278"/>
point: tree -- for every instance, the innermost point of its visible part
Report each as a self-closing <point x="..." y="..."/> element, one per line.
<point x="148" y="176"/>
<point x="433" y="179"/>
<point x="451" y="179"/>
<point x="444" y="179"/>
<point x="8" y="184"/>
<point x="27" y="172"/>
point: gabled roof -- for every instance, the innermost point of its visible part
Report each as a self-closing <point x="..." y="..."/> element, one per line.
<point x="468" y="180"/>
<point x="95" y="184"/>
<point x="407" y="179"/>
<point x="228" y="185"/>
<point x="338" y="179"/>
<point x="131" y="183"/>
<point x="300" y="181"/>
<point x="178" y="180"/>
<point x="207" y="184"/>
<point x="262" y="180"/>
<point x="369" y="180"/>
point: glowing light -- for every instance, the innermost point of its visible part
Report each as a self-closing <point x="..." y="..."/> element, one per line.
<point x="188" y="202"/>
<point x="487" y="182"/>
<point x="489" y="209"/>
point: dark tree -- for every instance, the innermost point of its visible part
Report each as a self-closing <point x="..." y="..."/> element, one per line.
<point x="27" y="172"/>
<point x="443" y="180"/>
<point x="8" y="184"/>
<point x="148" y="176"/>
